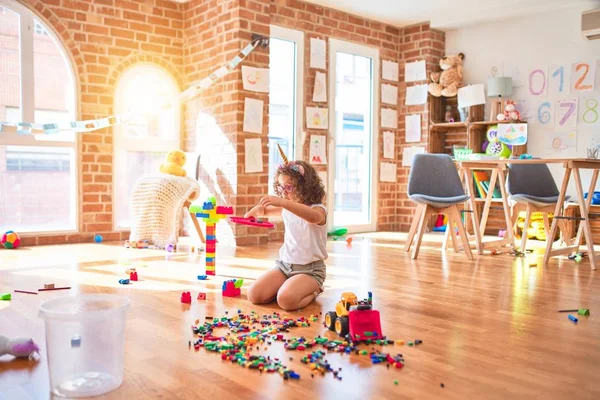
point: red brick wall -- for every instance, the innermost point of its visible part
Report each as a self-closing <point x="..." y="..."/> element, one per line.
<point x="419" y="42"/>
<point x="190" y="40"/>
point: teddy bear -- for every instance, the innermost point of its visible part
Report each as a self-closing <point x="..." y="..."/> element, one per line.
<point x="447" y="82"/>
<point x="174" y="165"/>
<point x="511" y="114"/>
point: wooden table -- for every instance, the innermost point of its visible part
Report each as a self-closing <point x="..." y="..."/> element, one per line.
<point x="498" y="168"/>
<point x="573" y="166"/>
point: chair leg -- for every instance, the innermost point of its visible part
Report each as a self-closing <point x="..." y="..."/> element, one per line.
<point x="422" y="225"/>
<point x="547" y="227"/>
<point x="413" y="227"/>
<point x="525" y="226"/>
<point x="461" y="231"/>
<point x="453" y="233"/>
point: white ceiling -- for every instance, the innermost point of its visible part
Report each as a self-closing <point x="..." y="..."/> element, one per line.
<point x="449" y="14"/>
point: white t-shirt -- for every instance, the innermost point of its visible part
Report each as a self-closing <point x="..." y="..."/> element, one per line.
<point x="303" y="242"/>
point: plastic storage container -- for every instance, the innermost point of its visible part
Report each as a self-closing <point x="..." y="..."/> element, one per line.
<point x="85" y="343"/>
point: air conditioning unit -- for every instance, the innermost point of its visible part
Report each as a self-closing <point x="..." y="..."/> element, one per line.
<point x="590" y="24"/>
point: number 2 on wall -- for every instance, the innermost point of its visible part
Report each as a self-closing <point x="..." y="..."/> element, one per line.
<point x="579" y="82"/>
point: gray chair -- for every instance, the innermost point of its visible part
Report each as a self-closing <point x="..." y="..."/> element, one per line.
<point x="531" y="188"/>
<point x="435" y="186"/>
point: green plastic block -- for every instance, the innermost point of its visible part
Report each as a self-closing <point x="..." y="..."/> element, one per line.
<point x="238" y="283"/>
<point x="410" y="343"/>
<point x="582" y="311"/>
<point x="195" y="208"/>
<point x="368" y="334"/>
<point x="5" y="296"/>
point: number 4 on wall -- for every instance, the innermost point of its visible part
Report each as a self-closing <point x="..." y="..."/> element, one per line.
<point x="566" y="113"/>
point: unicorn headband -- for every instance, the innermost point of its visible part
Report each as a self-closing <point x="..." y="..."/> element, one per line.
<point x="296" y="167"/>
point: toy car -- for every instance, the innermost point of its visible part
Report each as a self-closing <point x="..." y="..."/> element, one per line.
<point x="356" y="318"/>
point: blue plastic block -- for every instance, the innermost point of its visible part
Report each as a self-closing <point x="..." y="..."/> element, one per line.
<point x="202" y="277"/>
<point x="294" y="375"/>
<point x="207" y="205"/>
<point x="202" y="215"/>
<point x="211" y="237"/>
<point x="210" y="259"/>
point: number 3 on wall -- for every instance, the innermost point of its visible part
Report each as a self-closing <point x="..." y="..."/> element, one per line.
<point x="582" y="77"/>
<point x="544" y="117"/>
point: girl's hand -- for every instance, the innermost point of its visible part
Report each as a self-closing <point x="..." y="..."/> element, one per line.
<point x="256" y="211"/>
<point x="271" y="201"/>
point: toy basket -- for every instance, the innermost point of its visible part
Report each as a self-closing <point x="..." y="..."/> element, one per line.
<point x="462" y="154"/>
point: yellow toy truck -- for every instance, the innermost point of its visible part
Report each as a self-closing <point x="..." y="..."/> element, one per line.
<point x="354" y="317"/>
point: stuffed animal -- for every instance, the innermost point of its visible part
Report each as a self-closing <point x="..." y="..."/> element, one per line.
<point x="19" y="347"/>
<point x="174" y="165"/>
<point x="447" y="82"/>
<point x="511" y="114"/>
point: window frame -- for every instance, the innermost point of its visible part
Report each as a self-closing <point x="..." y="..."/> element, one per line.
<point x="123" y="143"/>
<point x="27" y="103"/>
<point x="296" y="36"/>
<point x="336" y="45"/>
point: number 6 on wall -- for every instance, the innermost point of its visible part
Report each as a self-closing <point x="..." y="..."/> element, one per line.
<point x="544" y="117"/>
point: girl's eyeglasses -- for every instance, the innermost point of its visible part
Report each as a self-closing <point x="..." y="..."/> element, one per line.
<point x="287" y="188"/>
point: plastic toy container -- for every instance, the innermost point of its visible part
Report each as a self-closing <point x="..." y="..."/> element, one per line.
<point x="85" y="343"/>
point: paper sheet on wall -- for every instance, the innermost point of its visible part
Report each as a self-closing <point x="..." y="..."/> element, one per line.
<point x="389" y="94"/>
<point x="253" y="155"/>
<point x="583" y="74"/>
<point x="389" y="118"/>
<point x="318" y="149"/>
<point x="560" y="141"/>
<point x="409" y="152"/>
<point x="512" y="134"/>
<point x="558" y="78"/>
<point x="416" y="95"/>
<point x="471" y="95"/>
<point x="389" y="71"/>
<point x="318" y="53"/>
<point x="589" y="111"/>
<point x="566" y="113"/>
<point x="255" y="79"/>
<point x="388" y="144"/>
<point x="415" y="71"/>
<point x="412" y="125"/>
<point x="320" y="89"/>
<point x="387" y="172"/>
<point x="253" y="115"/>
<point x="543" y="113"/>
<point x="317" y="118"/>
<point x="597" y="80"/>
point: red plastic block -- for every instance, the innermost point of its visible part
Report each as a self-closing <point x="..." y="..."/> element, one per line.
<point x="231" y="291"/>
<point x="186" y="297"/>
<point x="365" y="321"/>
<point x="210" y="248"/>
<point x="201" y="296"/>
<point x="133" y="276"/>
<point x="212" y="273"/>
<point x="224" y="210"/>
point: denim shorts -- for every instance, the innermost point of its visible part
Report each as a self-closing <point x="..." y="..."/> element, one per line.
<point x="315" y="269"/>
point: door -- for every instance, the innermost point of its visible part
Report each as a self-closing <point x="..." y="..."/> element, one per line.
<point x="352" y="190"/>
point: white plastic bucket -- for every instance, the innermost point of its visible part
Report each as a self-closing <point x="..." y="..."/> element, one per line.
<point x="85" y="343"/>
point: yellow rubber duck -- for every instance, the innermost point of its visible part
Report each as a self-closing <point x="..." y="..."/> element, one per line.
<point x="174" y="165"/>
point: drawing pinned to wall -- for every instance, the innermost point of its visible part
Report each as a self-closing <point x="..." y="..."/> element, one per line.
<point x="318" y="53"/>
<point x="255" y="79"/>
<point x="389" y="118"/>
<point x="561" y="141"/>
<point x="253" y="115"/>
<point x="589" y="111"/>
<point x="318" y="152"/>
<point x="416" y="95"/>
<point x="408" y="153"/>
<point x="253" y="161"/>
<point x="389" y="94"/>
<point x="387" y="172"/>
<point x="559" y="78"/>
<point x="544" y="113"/>
<point x="582" y="76"/>
<point x="317" y="118"/>
<point x="566" y="113"/>
<point x="471" y="95"/>
<point x="388" y="144"/>
<point x="510" y="69"/>
<point x="320" y="89"/>
<point x="415" y="71"/>
<point x="412" y="125"/>
<point x="389" y="71"/>
<point x="538" y="82"/>
<point x="524" y="109"/>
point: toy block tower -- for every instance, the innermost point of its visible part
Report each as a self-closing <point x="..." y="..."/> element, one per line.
<point x="211" y="214"/>
<point x="232" y="287"/>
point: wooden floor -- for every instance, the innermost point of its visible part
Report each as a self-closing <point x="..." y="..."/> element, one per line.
<point x="490" y="327"/>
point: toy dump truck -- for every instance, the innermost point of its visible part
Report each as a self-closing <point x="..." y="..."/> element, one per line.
<point x="354" y="317"/>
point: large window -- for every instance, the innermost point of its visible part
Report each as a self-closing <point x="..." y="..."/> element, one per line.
<point x="38" y="174"/>
<point x="149" y="96"/>
<point x="285" y="96"/>
<point x="353" y="127"/>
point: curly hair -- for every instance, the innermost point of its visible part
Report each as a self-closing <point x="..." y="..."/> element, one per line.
<point x="309" y="187"/>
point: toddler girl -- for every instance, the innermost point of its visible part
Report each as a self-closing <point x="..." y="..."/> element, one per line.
<point x="298" y="276"/>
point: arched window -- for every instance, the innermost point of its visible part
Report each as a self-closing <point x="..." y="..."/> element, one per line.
<point x="38" y="173"/>
<point x="150" y="97"/>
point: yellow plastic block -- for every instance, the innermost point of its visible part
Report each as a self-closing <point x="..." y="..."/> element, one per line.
<point x="399" y="342"/>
